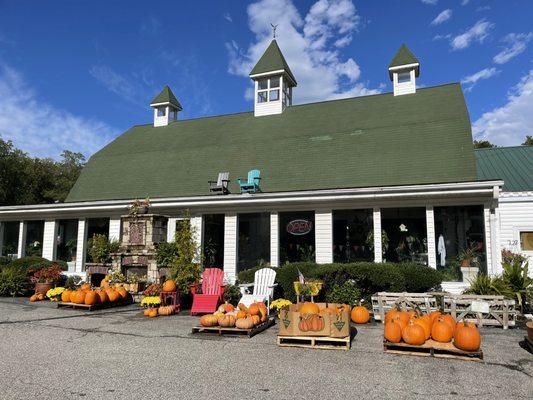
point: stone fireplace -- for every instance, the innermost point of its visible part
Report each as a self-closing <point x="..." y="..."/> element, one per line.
<point x="140" y="234"/>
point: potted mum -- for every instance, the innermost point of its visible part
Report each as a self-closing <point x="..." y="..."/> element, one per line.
<point x="46" y="278"/>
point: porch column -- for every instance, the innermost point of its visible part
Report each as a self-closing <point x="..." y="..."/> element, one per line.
<point x="488" y="239"/>
<point x="496" y="244"/>
<point x="171" y="229"/>
<point x="21" y="248"/>
<point x="50" y="239"/>
<point x="197" y="226"/>
<point x="81" y="245"/>
<point x="114" y="228"/>
<point x="230" y="246"/>
<point x="323" y="236"/>
<point x="376" y="218"/>
<point x="1" y="239"/>
<point x="274" y="239"/>
<point x="430" y="228"/>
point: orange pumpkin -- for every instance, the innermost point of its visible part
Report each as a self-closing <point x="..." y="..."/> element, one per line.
<point x="65" y="296"/>
<point x="399" y="319"/>
<point x="391" y="314"/>
<point x="34" y="298"/>
<point x="467" y="337"/>
<point x="253" y="309"/>
<point x="123" y="293"/>
<point x="79" y="297"/>
<point x="112" y="295"/>
<point x="244" y="323"/>
<point x="169" y="286"/>
<point x="240" y="314"/>
<point x="166" y="310"/>
<point x="146" y="312"/>
<point x="425" y="323"/>
<point x="441" y="331"/>
<point x="309" y="308"/>
<point x="104" y="283"/>
<point x="227" y="321"/>
<point x="86" y="286"/>
<point x="102" y="295"/>
<point x="413" y="334"/>
<point x="256" y="319"/>
<point x="450" y="320"/>
<point x="433" y="316"/>
<point x="152" y="313"/>
<point x="226" y="307"/>
<point x="360" y="315"/>
<point x="40" y="296"/>
<point x="91" y="298"/>
<point x="208" y="320"/>
<point x="242" y="307"/>
<point x="393" y="332"/>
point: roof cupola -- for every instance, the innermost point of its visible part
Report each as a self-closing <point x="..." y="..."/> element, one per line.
<point x="166" y="107"/>
<point x="403" y="71"/>
<point x="273" y="81"/>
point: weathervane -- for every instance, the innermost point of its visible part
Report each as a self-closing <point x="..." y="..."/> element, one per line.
<point x="274" y="27"/>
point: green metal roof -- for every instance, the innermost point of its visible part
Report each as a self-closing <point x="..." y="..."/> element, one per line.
<point x="272" y="60"/>
<point x="376" y="140"/>
<point x="404" y="57"/>
<point x="514" y="165"/>
<point x="166" y="96"/>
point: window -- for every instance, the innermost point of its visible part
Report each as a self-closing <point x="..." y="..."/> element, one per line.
<point x="526" y="241"/>
<point x="213" y="243"/>
<point x="404" y="77"/>
<point x="264" y="93"/>
<point x="161" y="111"/>
<point x="254" y="240"/>
<point x="67" y="239"/>
<point x="34" y="238"/>
<point x="297" y="236"/>
<point x="11" y="238"/>
<point x="95" y="226"/>
<point x="352" y="236"/>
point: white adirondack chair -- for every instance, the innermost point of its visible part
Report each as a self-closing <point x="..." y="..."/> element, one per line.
<point x="263" y="287"/>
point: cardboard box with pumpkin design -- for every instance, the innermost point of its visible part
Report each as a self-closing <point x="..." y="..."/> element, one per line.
<point x="332" y="320"/>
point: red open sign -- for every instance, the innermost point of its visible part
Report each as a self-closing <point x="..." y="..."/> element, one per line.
<point x="299" y="227"/>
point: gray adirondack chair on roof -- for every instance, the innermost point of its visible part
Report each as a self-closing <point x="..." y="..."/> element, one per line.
<point x="220" y="186"/>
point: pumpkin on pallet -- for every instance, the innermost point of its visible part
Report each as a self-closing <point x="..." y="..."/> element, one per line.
<point x="208" y="320"/>
<point x="360" y="315"/>
<point x="166" y="310"/>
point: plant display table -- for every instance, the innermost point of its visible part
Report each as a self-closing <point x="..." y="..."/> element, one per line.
<point x="234" y="331"/>
<point x="174" y="300"/>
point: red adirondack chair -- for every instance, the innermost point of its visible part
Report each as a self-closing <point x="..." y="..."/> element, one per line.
<point x="212" y="292"/>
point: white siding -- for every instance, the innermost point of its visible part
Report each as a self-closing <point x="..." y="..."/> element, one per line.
<point x="324" y="236"/>
<point x="230" y="247"/>
<point x="21" y="247"/>
<point x="81" y="246"/>
<point x="488" y="238"/>
<point x="1" y="238"/>
<point x="274" y="239"/>
<point x="378" y="255"/>
<point x="171" y="229"/>
<point x="405" y="87"/>
<point x="197" y="225"/>
<point x="50" y="239"/>
<point x="114" y="229"/>
<point x="430" y="226"/>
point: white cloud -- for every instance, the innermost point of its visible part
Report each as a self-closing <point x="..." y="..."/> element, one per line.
<point x="40" y="128"/>
<point x="310" y="44"/>
<point x="509" y="124"/>
<point x="465" y="2"/>
<point x="471" y="80"/>
<point x="227" y="17"/>
<point x="516" y="43"/>
<point x="476" y="33"/>
<point x="430" y="2"/>
<point x="442" y="17"/>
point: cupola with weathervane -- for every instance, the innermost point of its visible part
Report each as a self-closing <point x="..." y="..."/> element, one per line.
<point x="166" y="107"/>
<point x="273" y="81"/>
<point x="403" y="71"/>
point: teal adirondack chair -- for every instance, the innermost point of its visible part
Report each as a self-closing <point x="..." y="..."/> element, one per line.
<point x="252" y="184"/>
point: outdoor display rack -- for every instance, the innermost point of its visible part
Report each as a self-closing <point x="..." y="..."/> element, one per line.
<point x="234" y="331"/>
<point x="431" y="348"/>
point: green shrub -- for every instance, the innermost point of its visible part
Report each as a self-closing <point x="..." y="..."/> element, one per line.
<point x="14" y="281"/>
<point x="288" y="273"/>
<point x="247" y="276"/>
<point x="165" y="253"/>
<point x="31" y="262"/>
<point x="419" y="278"/>
<point x="232" y="294"/>
<point x="486" y="285"/>
<point x="347" y="293"/>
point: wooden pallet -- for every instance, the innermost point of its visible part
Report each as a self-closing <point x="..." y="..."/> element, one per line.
<point x="234" y="331"/>
<point x="94" y="307"/>
<point x="315" y="342"/>
<point x="432" y="349"/>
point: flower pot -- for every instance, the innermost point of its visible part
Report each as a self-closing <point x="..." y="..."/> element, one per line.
<point x="43" y="287"/>
<point x="142" y="210"/>
<point x="465" y="263"/>
<point x="530" y="331"/>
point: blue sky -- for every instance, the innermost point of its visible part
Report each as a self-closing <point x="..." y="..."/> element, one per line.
<point x="75" y="74"/>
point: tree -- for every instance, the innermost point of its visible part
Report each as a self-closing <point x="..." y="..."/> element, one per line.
<point x="528" y="141"/>
<point x="483" y="144"/>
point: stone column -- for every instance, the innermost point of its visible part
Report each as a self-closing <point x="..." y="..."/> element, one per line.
<point x="50" y="239"/>
<point x="376" y="218"/>
<point x="21" y="248"/>
<point x="274" y="239"/>
<point x="430" y="230"/>
<point x="231" y="241"/>
<point x="323" y="236"/>
<point x="81" y="245"/>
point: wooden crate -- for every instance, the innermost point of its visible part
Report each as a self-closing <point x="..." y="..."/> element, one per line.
<point x="315" y="342"/>
<point x="432" y="349"/>
<point x="384" y="301"/>
<point x="502" y="312"/>
<point x="234" y="331"/>
<point x="98" y="306"/>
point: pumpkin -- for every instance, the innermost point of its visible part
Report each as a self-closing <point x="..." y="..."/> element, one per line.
<point x="413" y="334"/>
<point x="411" y="313"/>
<point x="227" y="321"/>
<point x="226" y="307"/>
<point x="398" y="319"/>
<point x="242" y="307"/>
<point x="309" y="308"/>
<point x="104" y="283"/>
<point x="123" y="293"/>
<point x="467" y="337"/>
<point x="112" y="294"/>
<point x="391" y="314"/>
<point x="425" y="323"/>
<point x="392" y="332"/>
<point x="78" y="297"/>
<point x="169" y="286"/>
<point x="208" y="320"/>
<point x="40" y="296"/>
<point x="86" y="286"/>
<point x="433" y="316"/>
<point x="311" y="322"/>
<point x="152" y="313"/>
<point x="91" y="298"/>
<point x="244" y="323"/>
<point x="240" y="314"/>
<point x="146" y="312"/>
<point x="256" y="319"/>
<point x="166" y="310"/>
<point x="65" y="296"/>
<point x="441" y="331"/>
<point x="34" y="298"/>
<point x="102" y="295"/>
<point x="253" y="309"/>
<point x="360" y="315"/>
<point x="450" y="320"/>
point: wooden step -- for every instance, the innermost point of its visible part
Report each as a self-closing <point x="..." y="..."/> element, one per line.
<point x="315" y="342"/>
<point x="432" y="349"/>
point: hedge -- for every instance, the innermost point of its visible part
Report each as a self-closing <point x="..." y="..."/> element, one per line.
<point x="36" y="262"/>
